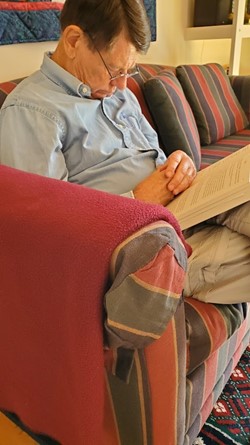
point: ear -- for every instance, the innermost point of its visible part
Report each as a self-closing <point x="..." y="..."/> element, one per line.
<point x="72" y="37"/>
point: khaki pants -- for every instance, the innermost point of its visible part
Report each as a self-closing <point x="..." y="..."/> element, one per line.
<point x="219" y="267"/>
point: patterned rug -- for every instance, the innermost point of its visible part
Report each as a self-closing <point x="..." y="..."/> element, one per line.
<point x="229" y="422"/>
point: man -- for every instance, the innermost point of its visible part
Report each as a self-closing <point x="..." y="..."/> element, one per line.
<point x="75" y="120"/>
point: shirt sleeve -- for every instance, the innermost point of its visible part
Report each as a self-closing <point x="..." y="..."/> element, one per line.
<point x="129" y="194"/>
<point x="146" y="128"/>
<point x="31" y="140"/>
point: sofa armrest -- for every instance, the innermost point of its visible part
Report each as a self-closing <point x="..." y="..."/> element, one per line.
<point x="56" y="244"/>
<point x="241" y="87"/>
<point x="156" y="391"/>
<point x="146" y="289"/>
<point x="145" y="293"/>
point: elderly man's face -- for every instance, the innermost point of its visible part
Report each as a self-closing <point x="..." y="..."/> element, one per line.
<point x="105" y="71"/>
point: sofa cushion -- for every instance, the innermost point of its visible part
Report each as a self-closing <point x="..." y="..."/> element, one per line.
<point x="135" y="84"/>
<point x="241" y="87"/>
<point x="224" y="147"/>
<point x="208" y="326"/>
<point x="172" y="115"/>
<point x="216" y="108"/>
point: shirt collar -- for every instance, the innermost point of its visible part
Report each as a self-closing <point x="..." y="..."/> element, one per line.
<point x="60" y="76"/>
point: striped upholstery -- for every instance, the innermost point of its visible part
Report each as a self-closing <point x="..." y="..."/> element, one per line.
<point x="178" y="404"/>
<point x="139" y="289"/>
<point x="241" y="87"/>
<point x="145" y="293"/>
<point x="209" y="326"/>
<point x="205" y="384"/>
<point x="135" y="84"/>
<point x="216" y="108"/>
<point x="172" y="115"/>
<point x="222" y="148"/>
<point x="131" y="418"/>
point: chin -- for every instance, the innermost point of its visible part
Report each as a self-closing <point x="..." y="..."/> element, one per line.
<point x="101" y="94"/>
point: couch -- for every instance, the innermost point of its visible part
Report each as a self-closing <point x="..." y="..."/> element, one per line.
<point x="79" y="363"/>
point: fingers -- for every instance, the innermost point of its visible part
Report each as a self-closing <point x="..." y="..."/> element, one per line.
<point x="173" y="161"/>
<point x="154" y="189"/>
<point x="182" y="181"/>
<point x="168" y="180"/>
<point x="180" y="171"/>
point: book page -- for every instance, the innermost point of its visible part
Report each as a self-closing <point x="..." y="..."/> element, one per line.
<point x="217" y="188"/>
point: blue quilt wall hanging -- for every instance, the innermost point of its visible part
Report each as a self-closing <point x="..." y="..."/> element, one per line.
<point x="38" y="20"/>
<point x="29" y="21"/>
<point x="150" y="6"/>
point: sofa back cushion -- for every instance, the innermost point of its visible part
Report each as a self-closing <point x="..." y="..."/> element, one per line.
<point x="241" y="87"/>
<point x="172" y="115"/>
<point x="135" y="84"/>
<point x="216" y="108"/>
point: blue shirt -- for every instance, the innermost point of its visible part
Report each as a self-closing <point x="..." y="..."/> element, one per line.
<point x="49" y="125"/>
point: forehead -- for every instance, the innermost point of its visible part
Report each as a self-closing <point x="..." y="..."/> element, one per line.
<point x="122" y="53"/>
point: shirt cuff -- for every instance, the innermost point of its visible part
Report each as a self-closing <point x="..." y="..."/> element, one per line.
<point x="129" y="194"/>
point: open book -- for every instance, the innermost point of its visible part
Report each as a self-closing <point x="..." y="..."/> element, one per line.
<point x="217" y="188"/>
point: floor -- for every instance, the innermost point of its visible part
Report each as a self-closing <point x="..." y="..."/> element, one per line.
<point x="10" y="434"/>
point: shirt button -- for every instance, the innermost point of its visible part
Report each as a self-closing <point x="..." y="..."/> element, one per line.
<point x="84" y="90"/>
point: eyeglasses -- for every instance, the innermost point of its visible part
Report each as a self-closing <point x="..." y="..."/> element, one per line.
<point x="131" y="72"/>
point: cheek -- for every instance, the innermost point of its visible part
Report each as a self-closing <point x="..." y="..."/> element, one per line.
<point x="81" y="70"/>
<point x="90" y="74"/>
<point x="93" y="79"/>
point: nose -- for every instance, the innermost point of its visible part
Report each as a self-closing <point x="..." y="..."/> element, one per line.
<point x="120" y="82"/>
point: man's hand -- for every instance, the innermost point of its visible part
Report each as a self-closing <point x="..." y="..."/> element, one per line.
<point x="154" y="189"/>
<point x="168" y="180"/>
<point x="179" y="170"/>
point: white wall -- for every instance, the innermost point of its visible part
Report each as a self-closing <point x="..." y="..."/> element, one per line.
<point x="170" y="48"/>
<point x="245" y="57"/>
<point x="22" y="59"/>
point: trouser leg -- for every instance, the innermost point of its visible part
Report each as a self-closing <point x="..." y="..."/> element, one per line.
<point x="219" y="267"/>
<point x="237" y="219"/>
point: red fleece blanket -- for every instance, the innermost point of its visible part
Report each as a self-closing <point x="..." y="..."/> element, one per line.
<point x="56" y="242"/>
